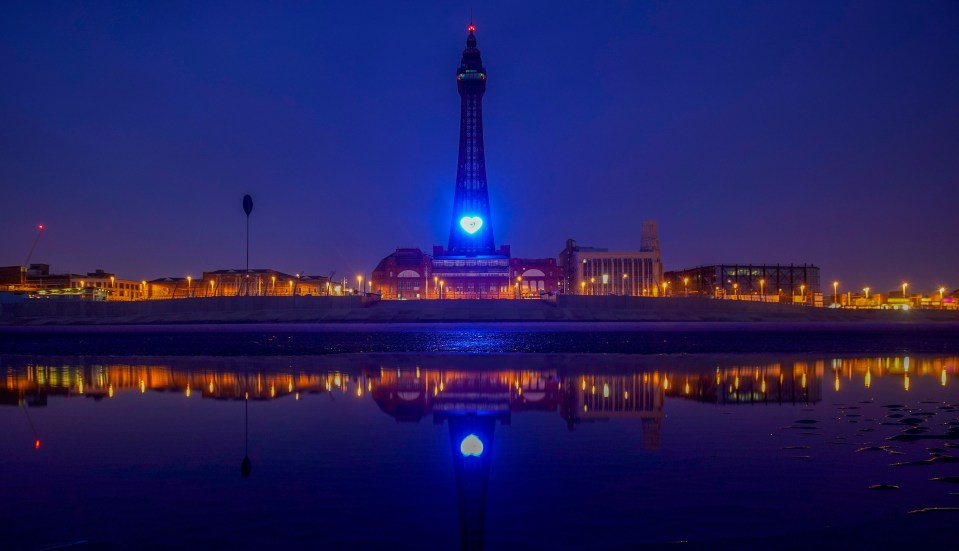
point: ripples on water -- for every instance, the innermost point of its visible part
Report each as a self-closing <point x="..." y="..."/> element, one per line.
<point x="576" y="451"/>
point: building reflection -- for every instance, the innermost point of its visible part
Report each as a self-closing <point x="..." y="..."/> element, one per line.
<point x="410" y="393"/>
<point x="471" y="401"/>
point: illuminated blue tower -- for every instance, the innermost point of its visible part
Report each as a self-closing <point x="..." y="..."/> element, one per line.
<point x="471" y="229"/>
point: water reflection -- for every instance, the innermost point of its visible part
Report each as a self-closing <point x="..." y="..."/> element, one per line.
<point x="409" y="393"/>
<point x="472" y="401"/>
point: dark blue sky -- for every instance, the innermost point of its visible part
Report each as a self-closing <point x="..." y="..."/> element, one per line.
<point x="821" y="132"/>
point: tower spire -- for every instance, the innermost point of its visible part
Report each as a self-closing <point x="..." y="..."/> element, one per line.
<point x="471" y="229"/>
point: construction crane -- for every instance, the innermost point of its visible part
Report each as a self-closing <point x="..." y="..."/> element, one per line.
<point x="26" y="263"/>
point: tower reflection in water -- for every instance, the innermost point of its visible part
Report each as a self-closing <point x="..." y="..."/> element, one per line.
<point x="471" y="401"/>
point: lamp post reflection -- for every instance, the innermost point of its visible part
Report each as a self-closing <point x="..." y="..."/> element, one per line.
<point x="246" y="466"/>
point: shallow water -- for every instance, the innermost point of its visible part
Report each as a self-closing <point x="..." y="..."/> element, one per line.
<point x="577" y="451"/>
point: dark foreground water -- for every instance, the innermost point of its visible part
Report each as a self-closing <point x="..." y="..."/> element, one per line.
<point x="510" y="451"/>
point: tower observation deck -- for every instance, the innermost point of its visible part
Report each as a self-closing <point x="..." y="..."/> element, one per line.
<point x="471" y="227"/>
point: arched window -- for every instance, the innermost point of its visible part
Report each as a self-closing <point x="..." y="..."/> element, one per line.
<point x="534" y="273"/>
<point x="408" y="273"/>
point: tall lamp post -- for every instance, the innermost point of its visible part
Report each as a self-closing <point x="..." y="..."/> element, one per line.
<point x="762" y="290"/>
<point x="247" y="208"/>
<point x="835" y="292"/>
<point x="686" y="286"/>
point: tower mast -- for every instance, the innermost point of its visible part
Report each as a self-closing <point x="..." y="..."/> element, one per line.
<point x="471" y="228"/>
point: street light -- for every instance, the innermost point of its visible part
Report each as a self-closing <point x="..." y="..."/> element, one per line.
<point x="436" y="286"/>
<point x="273" y="280"/>
<point x="802" y="292"/>
<point x="904" y="285"/>
<point x="582" y="287"/>
<point x="359" y="283"/>
<point x="442" y="284"/>
<point x="866" y="290"/>
<point x="686" y="286"/>
<point x="624" y="283"/>
<point x="835" y="292"/>
<point x="592" y="285"/>
<point x="211" y="287"/>
<point x="736" y="291"/>
<point x="519" y="279"/>
<point x="762" y="290"/>
<point x="941" y="291"/>
<point x="665" y="284"/>
<point x="189" y="285"/>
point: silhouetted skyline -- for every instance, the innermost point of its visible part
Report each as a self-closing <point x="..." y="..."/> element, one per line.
<point x="751" y="131"/>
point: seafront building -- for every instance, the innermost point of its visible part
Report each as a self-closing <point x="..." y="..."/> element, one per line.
<point x="96" y="285"/>
<point x="798" y="283"/>
<point x="599" y="271"/>
<point x="240" y="282"/>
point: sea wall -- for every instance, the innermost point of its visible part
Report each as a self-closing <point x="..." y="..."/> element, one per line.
<point x="369" y="309"/>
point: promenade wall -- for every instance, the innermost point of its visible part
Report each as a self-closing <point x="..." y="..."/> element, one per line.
<point x="370" y="309"/>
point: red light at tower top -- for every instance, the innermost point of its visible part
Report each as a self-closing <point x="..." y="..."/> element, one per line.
<point x="471" y="28"/>
<point x="36" y="445"/>
<point x="40" y="227"/>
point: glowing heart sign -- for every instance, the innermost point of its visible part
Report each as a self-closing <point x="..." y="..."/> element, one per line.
<point x="471" y="446"/>
<point x="471" y="224"/>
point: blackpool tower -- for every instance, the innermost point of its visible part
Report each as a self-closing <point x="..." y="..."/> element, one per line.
<point x="471" y="229"/>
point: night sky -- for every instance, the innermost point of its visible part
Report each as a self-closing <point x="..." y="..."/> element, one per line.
<point x="818" y="132"/>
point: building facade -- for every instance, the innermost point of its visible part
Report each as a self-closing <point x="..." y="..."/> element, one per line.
<point x="234" y="283"/>
<point x="768" y="282"/>
<point x="404" y="275"/>
<point x="599" y="271"/>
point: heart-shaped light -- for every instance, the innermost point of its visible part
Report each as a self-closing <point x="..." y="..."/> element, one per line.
<point x="471" y="224"/>
<point x="471" y="446"/>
